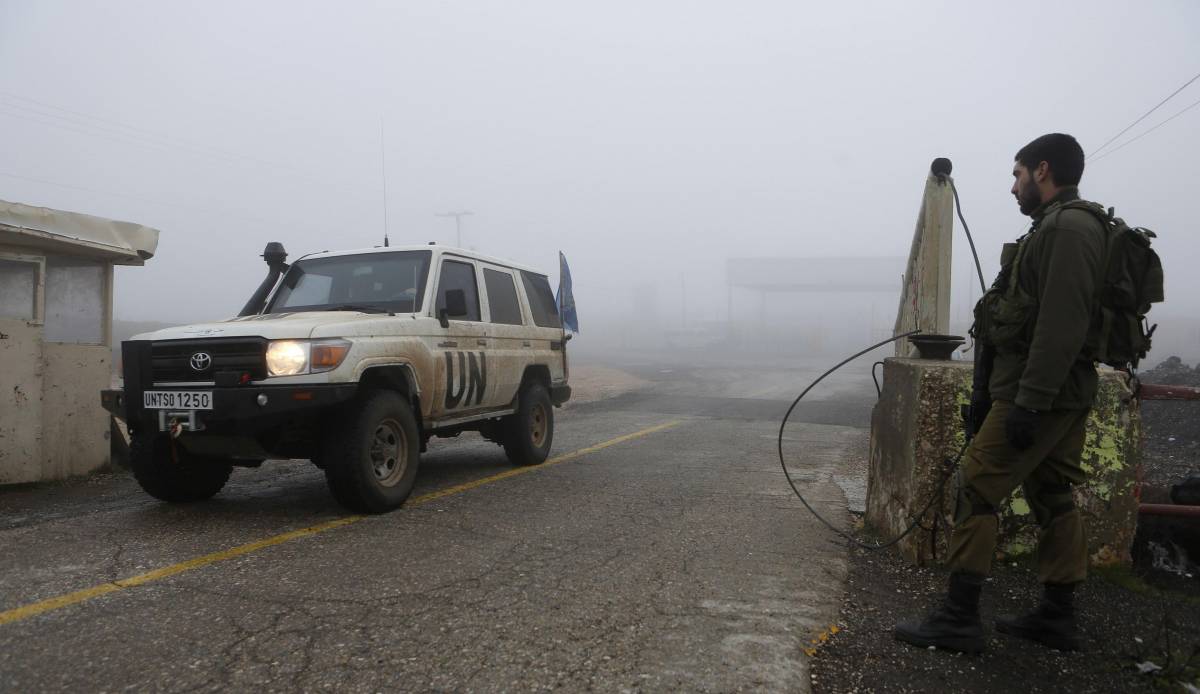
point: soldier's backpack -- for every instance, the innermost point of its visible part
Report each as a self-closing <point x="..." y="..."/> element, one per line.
<point x="1133" y="281"/>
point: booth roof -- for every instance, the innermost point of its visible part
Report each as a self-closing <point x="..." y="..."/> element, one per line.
<point x="123" y="243"/>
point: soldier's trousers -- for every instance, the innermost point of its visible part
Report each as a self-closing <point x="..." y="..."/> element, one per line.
<point x="993" y="469"/>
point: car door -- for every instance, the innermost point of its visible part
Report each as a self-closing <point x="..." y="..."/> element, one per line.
<point x="545" y="335"/>
<point x="508" y="339"/>
<point x="461" y="380"/>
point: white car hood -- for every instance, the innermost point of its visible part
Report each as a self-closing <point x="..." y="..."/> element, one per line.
<point x="273" y="326"/>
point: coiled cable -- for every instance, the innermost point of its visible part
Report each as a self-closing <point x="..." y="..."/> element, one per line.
<point x="917" y="521"/>
<point x="951" y="464"/>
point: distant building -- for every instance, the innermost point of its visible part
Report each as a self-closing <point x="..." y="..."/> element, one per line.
<point x="56" y="294"/>
<point x="811" y="305"/>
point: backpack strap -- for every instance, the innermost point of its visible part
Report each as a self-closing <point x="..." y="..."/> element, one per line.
<point x="1014" y="271"/>
<point x="1102" y="318"/>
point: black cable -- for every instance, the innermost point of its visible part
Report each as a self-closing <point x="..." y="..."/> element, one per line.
<point x="951" y="464"/>
<point x="970" y="239"/>
<point x="878" y="390"/>
<point x="792" y="483"/>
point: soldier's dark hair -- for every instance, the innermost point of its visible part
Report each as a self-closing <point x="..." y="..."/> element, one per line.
<point x="1061" y="152"/>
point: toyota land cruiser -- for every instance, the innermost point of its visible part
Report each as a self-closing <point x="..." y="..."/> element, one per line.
<point x="353" y="360"/>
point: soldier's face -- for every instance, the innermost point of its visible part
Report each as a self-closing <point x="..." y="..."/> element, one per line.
<point x="1025" y="189"/>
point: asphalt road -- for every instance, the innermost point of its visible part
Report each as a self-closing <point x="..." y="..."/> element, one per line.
<point x="675" y="559"/>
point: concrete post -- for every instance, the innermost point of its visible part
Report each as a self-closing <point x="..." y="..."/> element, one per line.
<point x="916" y="429"/>
<point x="925" y="297"/>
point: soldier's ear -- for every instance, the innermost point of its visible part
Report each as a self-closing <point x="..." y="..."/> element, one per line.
<point x="1042" y="172"/>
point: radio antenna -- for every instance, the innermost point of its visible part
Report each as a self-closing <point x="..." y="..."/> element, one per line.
<point x="383" y="171"/>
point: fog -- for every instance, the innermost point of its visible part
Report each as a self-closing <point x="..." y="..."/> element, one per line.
<point x="650" y="142"/>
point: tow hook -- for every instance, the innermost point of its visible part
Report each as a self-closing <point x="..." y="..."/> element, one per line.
<point x="175" y="423"/>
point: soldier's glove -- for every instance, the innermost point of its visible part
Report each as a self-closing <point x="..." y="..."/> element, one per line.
<point x="981" y="404"/>
<point x="1021" y="426"/>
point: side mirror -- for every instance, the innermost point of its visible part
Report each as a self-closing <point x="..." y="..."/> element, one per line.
<point x="455" y="304"/>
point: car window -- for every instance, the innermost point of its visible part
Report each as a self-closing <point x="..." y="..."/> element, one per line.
<point x="502" y="297"/>
<point x="458" y="275"/>
<point x="541" y="300"/>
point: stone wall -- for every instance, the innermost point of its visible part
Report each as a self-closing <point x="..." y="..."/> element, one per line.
<point x="916" y="428"/>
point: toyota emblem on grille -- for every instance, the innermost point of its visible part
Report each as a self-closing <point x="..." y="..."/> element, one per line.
<point x="201" y="361"/>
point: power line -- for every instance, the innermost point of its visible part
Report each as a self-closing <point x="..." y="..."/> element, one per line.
<point x="1125" y="144"/>
<point x="207" y="210"/>
<point x="85" y="129"/>
<point x="107" y="128"/>
<point x="1145" y="115"/>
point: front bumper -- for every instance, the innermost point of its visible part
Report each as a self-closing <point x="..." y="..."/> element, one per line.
<point x="235" y="409"/>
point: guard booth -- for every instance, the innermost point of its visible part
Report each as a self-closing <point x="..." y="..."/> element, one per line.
<point x="56" y="295"/>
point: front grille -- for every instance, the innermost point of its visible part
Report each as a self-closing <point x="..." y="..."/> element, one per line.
<point x="172" y="359"/>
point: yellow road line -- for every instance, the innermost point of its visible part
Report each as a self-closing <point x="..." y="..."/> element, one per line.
<point x="566" y="457"/>
<point x="19" y="613"/>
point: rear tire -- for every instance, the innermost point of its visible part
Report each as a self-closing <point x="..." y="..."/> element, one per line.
<point x="529" y="432"/>
<point x="370" y="456"/>
<point x="181" y="478"/>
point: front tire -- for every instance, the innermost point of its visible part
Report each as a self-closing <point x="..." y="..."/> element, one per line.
<point x="370" y="457"/>
<point x="179" y="477"/>
<point x="529" y="432"/>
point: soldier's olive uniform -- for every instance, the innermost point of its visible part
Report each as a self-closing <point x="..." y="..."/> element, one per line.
<point x="1039" y="317"/>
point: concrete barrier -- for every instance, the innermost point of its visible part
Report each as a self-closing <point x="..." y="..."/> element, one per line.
<point x="916" y="428"/>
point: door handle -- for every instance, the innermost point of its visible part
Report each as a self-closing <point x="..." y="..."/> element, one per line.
<point x="481" y="343"/>
<point x="448" y="343"/>
<point x="526" y="343"/>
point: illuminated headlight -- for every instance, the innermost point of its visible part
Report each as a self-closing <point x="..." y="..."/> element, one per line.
<point x="287" y="358"/>
<point x="293" y="357"/>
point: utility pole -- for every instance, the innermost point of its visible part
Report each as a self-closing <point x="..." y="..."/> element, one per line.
<point x="457" y="223"/>
<point x="383" y="171"/>
<point x="683" y="300"/>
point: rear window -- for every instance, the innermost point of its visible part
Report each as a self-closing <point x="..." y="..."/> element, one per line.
<point x="502" y="297"/>
<point x="541" y="300"/>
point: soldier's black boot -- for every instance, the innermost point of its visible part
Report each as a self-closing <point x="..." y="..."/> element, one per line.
<point x="955" y="624"/>
<point x="1051" y="624"/>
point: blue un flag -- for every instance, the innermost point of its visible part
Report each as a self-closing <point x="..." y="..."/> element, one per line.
<point x="566" y="298"/>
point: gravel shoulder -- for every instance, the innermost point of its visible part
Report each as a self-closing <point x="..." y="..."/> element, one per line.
<point x="1171" y="429"/>
<point x="1125" y="620"/>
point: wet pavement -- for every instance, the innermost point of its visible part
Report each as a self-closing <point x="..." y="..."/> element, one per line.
<point x="675" y="559"/>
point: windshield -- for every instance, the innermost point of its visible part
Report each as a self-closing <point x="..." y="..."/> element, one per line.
<point x="370" y="282"/>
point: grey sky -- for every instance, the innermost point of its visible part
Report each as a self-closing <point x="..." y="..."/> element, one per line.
<point x="649" y="141"/>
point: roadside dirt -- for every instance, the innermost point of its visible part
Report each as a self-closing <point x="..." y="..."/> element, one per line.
<point x="592" y="382"/>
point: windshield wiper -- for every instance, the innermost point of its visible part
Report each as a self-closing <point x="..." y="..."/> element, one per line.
<point x="357" y="307"/>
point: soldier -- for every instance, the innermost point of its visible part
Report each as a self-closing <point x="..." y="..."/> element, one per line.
<point x="1037" y="325"/>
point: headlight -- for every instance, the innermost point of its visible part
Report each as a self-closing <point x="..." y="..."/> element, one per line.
<point x="287" y="358"/>
<point x="293" y="357"/>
